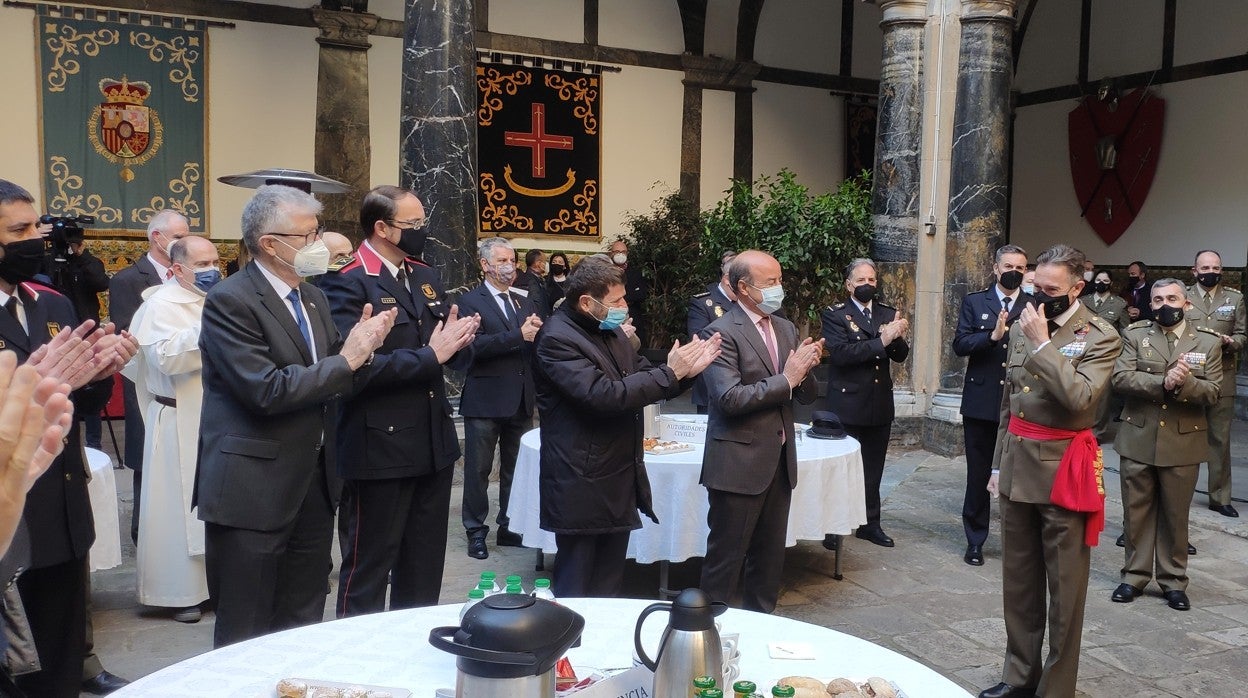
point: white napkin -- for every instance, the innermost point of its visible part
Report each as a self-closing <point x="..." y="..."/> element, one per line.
<point x="791" y="650"/>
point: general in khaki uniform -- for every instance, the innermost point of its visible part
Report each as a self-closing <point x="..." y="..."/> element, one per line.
<point x="1161" y="441"/>
<point x="1058" y="386"/>
<point x="1222" y="310"/>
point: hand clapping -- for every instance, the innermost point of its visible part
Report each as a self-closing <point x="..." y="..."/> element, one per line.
<point x="804" y="358"/>
<point x="691" y="359"/>
<point x="455" y="333"/>
<point x="1177" y="375"/>
<point x="367" y="335"/>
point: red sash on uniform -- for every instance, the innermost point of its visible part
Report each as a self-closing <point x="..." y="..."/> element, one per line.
<point x="1079" y="485"/>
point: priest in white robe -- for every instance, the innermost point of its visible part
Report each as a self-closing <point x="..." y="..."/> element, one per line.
<point x="166" y="373"/>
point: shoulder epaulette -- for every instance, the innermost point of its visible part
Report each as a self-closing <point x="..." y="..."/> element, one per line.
<point x="1139" y="323"/>
<point x="885" y="305"/>
<point x="43" y="288"/>
<point x="837" y="306"/>
<point x="1102" y="324"/>
<point x="703" y="294"/>
<point x="1206" y="330"/>
<point x="1233" y="290"/>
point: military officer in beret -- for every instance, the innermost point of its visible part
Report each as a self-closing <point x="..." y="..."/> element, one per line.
<point x="983" y="324"/>
<point x="1221" y="309"/>
<point x="705" y="308"/>
<point x="862" y="335"/>
<point x="1059" y="363"/>
<point x="1169" y="372"/>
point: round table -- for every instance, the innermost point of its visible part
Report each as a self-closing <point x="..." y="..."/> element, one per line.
<point x="102" y="489"/>
<point x="828" y="499"/>
<point x="392" y="649"/>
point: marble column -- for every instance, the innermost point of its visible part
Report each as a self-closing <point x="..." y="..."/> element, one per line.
<point x="438" y="131"/>
<point x="979" y="162"/>
<point x="343" y="149"/>
<point x="897" y="173"/>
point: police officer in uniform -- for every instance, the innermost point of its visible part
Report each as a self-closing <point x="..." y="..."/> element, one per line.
<point x="983" y="323"/>
<point x="396" y="439"/>
<point x="1169" y="373"/>
<point x="861" y="336"/>
<point x="1221" y="309"/>
<point x="705" y="308"/>
<point x="1059" y="362"/>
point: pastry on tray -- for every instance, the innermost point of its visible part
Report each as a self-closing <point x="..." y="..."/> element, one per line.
<point x="659" y="448"/>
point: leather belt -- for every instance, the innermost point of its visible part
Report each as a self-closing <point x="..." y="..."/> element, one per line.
<point x="166" y="401"/>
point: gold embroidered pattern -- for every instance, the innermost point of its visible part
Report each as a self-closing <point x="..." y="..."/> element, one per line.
<point x="492" y="82"/>
<point x="583" y="220"/>
<point x="66" y="203"/>
<point x="583" y="90"/>
<point x="496" y="215"/>
<point x="183" y="55"/>
<point x="65" y="40"/>
<point x="186" y="205"/>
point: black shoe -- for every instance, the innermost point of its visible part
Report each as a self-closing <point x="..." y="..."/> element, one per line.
<point x="832" y="542"/>
<point x="1125" y="593"/>
<point x="103" y="683"/>
<point x="1225" y="510"/>
<point x="476" y="547"/>
<point x="974" y="555"/>
<point x="509" y="538"/>
<point x="875" y="534"/>
<point x="1005" y="690"/>
<point x="1122" y="540"/>
<point x="1177" y="600"/>
<point x="1191" y="549"/>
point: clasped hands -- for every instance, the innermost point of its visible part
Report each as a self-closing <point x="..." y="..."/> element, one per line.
<point x="807" y="356"/>
<point x="688" y="360"/>
<point x="895" y="329"/>
<point x="1177" y="375"/>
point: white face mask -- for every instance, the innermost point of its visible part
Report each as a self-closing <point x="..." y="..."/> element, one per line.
<point x="1087" y="276"/>
<point x="619" y="258"/>
<point x="312" y="260"/>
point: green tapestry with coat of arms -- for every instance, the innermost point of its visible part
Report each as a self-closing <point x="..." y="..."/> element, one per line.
<point x="123" y="107"/>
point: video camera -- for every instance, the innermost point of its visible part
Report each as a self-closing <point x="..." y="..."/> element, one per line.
<point x="66" y="231"/>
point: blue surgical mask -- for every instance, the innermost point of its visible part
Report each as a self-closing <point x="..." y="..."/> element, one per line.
<point x="205" y="279"/>
<point x="773" y="298"/>
<point x="615" y="316"/>
<point x="1029" y="288"/>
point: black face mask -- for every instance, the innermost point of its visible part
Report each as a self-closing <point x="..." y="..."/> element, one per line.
<point x="1209" y="279"/>
<point x="22" y="260"/>
<point x="1135" y="280"/>
<point x="1011" y="280"/>
<point x="864" y="293"/>
<point x="1168" y="315"/>
<point x="558" y="269"/>
<point x="412" y="241"/>
<point x="1102" y="287"/>
<point x="1053" y="305"/>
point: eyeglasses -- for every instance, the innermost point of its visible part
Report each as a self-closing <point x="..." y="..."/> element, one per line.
<point x="307" y="237"/>
<point x="414" y="225"/>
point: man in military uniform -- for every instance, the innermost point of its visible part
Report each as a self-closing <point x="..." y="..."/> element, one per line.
<point x="861" y="336"/>
<point x="1221" y="309"/>
<point x="705" y="308"/>
<point x="1169" y="373"/>
<point x="1112" y="309"/>
<point x="982" y="323"/>
<point x="1059" y="363"/>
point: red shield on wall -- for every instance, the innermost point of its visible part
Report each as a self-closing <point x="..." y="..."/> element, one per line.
<point x="1114" y="147"/>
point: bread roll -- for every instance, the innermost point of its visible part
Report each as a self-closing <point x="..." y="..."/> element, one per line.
<point x="291" y="688"/>
<point x="802" y="682"/>
<point x="879" y="688"/>
<point x="841" y="685"/>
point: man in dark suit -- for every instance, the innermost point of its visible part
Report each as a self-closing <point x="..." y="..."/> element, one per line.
<point x="1136" y="292"/>
<point x="396" y="442"/>
<point x="125" y="295"/>
<point x="636" y="290"/>
<point x="497" y="402"/>
<point x="274" y="366"/>
<point x="531" y="281"/>
<point x="863" y="335"/>
<point x="983" y="323"/>
<point x="39" y="326"/>
<point x="750" y="464"/>
<point x="705" y="308"/>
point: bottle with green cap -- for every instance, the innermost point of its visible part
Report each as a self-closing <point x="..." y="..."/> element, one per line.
<point x="743" y="689"/>
<point x="541" y="589"/>
<point x="487" y="588"/>
<point x="711" y="693"/>
<point x="492" y="578"/>
<point x="474" y="596"/>
<point x="779" y="691"/>
<point x="514" y="588"/>
<point x="702" y="682"/>
<point x="514" y="579"/>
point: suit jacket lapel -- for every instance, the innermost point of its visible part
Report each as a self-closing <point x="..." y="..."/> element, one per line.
<point x="37" y="321"/>
<point x="280" y="309"/>
<point x="11" y="330"/>
<point x="868" y="326"/>
<point x="491" y="299"/>
<point x="754" y="337"/>
<point x="404" y="297"/>
<point x="320" y="330"/>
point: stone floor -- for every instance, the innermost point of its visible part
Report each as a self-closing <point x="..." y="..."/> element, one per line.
<point x="918" y="599"/>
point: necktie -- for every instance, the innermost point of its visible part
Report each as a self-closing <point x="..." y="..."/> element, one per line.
<point x="508" y="310"/>
<point x="300" y="320"/>
<point x="764" y="326"/>
<point x="1170" y="340"/>
<point x="401" y="277"/>
<point x="1005" y="302"/>
<point x="11" y="306"/>
<point x="866" y="312"/>
<point x="1208" y="298"/>
<point x="1099" y="301"/>
<point x="1053" y="327"/>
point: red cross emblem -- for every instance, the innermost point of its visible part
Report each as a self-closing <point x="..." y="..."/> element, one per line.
<point x="537" y="140"/>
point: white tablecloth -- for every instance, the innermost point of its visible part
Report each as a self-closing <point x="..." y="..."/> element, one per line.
<point x="828" y="499"/>
<point x="392" y="649"/>
<point x="106" y="551"/>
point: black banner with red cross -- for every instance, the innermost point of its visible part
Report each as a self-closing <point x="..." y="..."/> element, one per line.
<point x="538" y="151"/>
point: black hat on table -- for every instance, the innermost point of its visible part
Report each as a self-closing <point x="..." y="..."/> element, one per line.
<point x="826" y="425"/>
